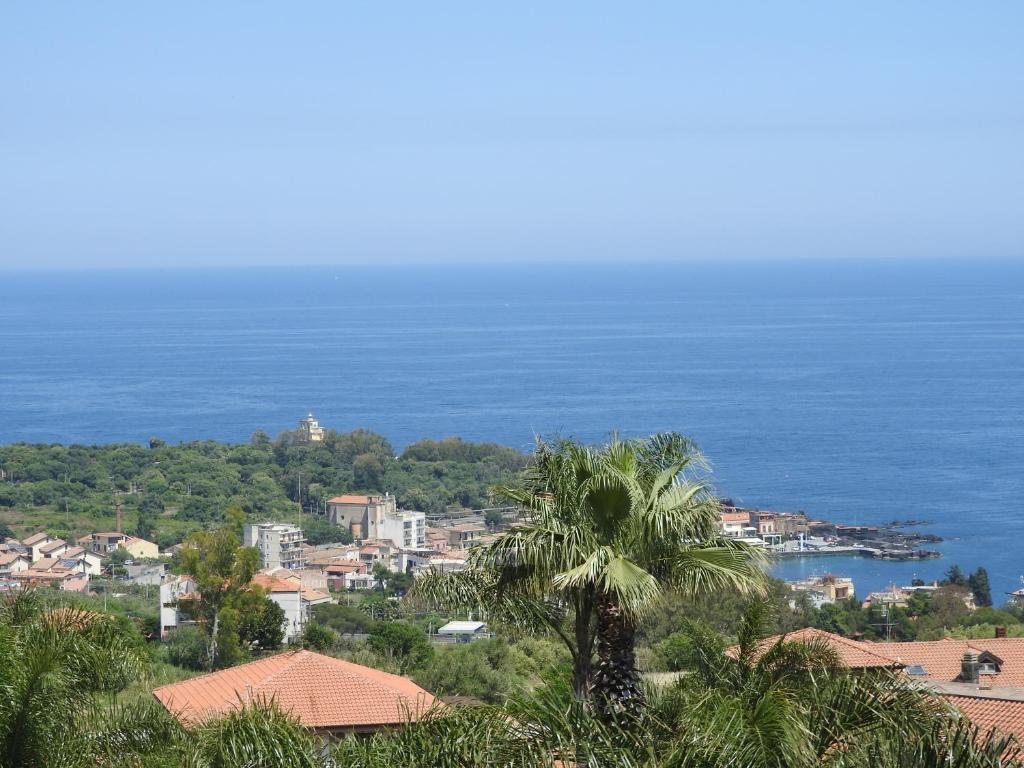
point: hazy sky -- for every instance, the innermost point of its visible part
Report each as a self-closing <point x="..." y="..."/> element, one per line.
<point x="267" y="133"/>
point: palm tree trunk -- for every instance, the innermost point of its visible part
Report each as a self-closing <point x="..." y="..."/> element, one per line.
<point x="617" y="689"/>
<point x="582" y="670"/>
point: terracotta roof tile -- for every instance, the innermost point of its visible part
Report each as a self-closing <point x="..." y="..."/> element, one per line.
<point x="852" y="653"/>
<point x="349" y="499"/>
<point x="35" y="538"/>
<point x="1005" y="716"/>
<point x="941" y="658"/>
<point x="321" y="691"/>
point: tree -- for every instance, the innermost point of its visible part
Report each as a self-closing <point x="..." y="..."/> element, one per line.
<point x="317" y="637"/>
<point x="53" y="666"/>
<point x="262" y="621"/>
<point x="401" y="643"/>
<point x="955" y="576"/>
<point x="977" y="582"/>
<point x="149" y="509"/>
<point x="222" y="569"/>
<point x="609" y="531"/>
<point x="493" y="518"/>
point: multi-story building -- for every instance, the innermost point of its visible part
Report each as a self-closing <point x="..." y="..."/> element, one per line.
<point x="406" y="529"/>
<point x="280" y="545"/>
<point x="378" y="517"/>
<point x="173" y="591"/>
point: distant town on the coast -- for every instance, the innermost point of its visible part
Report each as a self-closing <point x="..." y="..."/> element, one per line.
<point x="317" y="562"/>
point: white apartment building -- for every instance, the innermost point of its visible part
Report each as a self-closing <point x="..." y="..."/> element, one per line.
<point x="407" y="529"/>
<point x="280" y="545"/>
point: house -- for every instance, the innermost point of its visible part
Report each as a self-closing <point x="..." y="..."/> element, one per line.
<point x="280" y="545"/>
<point x="151" y="574"/>
<point x="327" y="695"/>
<point x="437" y="539"/>
<point x="13" y="562"/>
<point x="984" y="679"/>
<point x="465" y="535"/>
<point x="824" y="589"/>
<point x="140" y="549"/>
<point x="53" y="548"/>
<point x="105" y="543"/>
<point x="294" y="599"/>
<point x="89" y="562"/>
<point x="735" y="522"/>
<point x="66" y="575"/>
<point x="464" y="631"/>
<point x="173" y="590"/>
<point x="34" y="542"/>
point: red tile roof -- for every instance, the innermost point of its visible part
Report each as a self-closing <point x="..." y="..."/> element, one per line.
<point x="1004" y="715"/>
<point x="941" y="658"/>
<point x="852" y="653"/>
<point x="35" y="538"/>
<point x="324" y="693"/>
<point x="274" y="584"/>
<point x="349" y="499"/>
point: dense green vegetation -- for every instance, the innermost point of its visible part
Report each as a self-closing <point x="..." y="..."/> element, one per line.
<point x="169" y="492"/>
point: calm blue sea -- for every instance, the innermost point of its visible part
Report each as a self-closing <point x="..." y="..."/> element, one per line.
<point x="856" y="391"/>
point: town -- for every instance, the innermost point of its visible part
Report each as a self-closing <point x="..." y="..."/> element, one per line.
<point x="393" y="614"/>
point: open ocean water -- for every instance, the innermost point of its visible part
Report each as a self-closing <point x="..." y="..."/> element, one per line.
<point x="860" y="392"/>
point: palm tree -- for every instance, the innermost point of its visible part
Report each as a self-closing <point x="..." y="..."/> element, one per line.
<point x="788" y="703"/>
<point x="607" y="532"/>
<point x="59" y="671"/>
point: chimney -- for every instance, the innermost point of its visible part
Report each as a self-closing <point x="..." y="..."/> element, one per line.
<point x="969" y="667"/>
<point x="1000" y="631"/>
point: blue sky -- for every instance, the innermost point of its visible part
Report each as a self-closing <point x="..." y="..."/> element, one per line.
<point x="144" y="134"/>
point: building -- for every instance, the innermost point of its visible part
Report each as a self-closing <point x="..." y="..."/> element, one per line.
<point x="378" y="517"/>
<point x="311" y="430"/>
<point x="66" y="575"/>
<point x="173" y="590"/>
<point x="13" y="562"/>
<point x="105" y="543"/>
<point x="35" y="543"/>
<point x="464" y="631"/>
<point x="826" y="589"/>
<point x="280" y="545"/>
<point x="146" y="574"/>
<point x="89" y="562"/>
<point x="294" y="599"/>
<point x="406" y="529"/>
<point x="465" y="535"/>
<point x="983" y="679"/>
<point x="735" y="522"/>
<point x="329" y="696"/>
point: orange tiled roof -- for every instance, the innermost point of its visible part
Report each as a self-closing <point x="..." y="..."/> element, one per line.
<point x="274" y="584"/>
<point x="55" y="544"/>
<point x="6" y="558"/>
<point x="1006" y="716"/>
<point x="734" y="517"/>
<point x="321" y="691"/>
<point x="851" y="653"/>
<point x="35" y="538"/>
<point x="314" y="595"/>
<point x="349" y="498"/>
<point x="941" y="658"/>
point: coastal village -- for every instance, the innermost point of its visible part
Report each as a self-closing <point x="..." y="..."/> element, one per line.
<point x="332" y="697"/>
